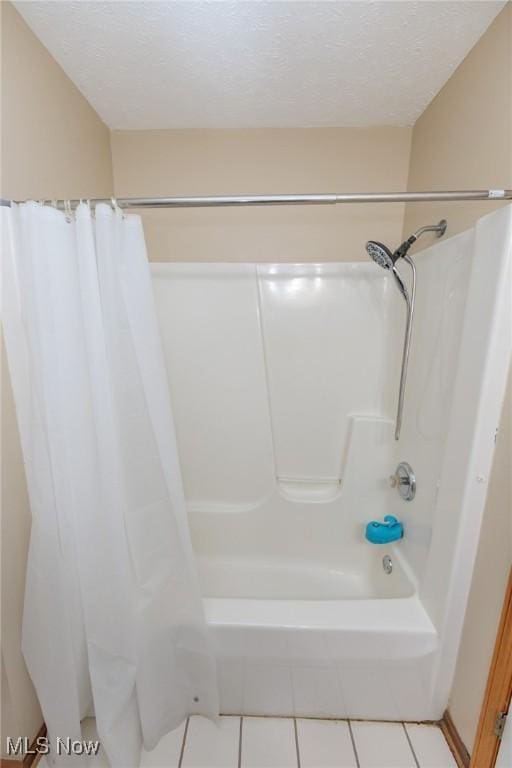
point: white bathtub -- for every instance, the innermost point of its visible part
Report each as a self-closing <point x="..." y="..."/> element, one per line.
<point x="310" y="640"/>
<point x="358" y="575"/>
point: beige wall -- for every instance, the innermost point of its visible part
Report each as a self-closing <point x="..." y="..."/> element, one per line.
<point x="464" y="140"/>
<point x="53" y="145"/>
<point x="180" y="162"/>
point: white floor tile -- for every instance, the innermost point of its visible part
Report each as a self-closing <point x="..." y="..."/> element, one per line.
<point x="212" y="745"/>
<point x="325" y="744"/>
<point x="167" y="752"/>
<point x="430" y="746"/>
<point x="268" y="743"/>
<point x="382" y="745"/>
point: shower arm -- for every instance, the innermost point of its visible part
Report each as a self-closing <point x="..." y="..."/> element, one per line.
<point x="439" y="228"/>
<point x="409" y="300"/>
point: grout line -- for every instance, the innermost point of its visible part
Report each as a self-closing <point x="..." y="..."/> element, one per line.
<point x="411" y="746"/>
<point x="296" y="741"/>
<point x="183" y="743"/>
<point x="336" y="718"/>
<point x="358" y="764"/>
<point x="240" y="742"/>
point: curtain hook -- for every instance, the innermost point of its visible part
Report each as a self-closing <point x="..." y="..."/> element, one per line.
<point x="117" y="208"/>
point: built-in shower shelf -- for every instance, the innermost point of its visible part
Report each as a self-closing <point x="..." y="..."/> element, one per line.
<point x="309" y="491"/>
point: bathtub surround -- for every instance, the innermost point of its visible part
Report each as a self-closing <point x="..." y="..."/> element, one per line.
<point x="113" y="618"/>
<point x="465" y="134"/>
<point x="305" y="621"/>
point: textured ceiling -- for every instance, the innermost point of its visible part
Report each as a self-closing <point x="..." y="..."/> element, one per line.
<point x="191" y="63"/>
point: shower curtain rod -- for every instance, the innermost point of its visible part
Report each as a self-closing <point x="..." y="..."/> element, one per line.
<point x="212" y="201"/>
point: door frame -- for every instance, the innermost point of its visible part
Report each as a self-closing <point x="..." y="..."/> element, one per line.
<point x="498" y="692"/>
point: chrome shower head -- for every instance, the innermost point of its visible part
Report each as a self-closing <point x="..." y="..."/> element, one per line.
<point x="381" y="254"/>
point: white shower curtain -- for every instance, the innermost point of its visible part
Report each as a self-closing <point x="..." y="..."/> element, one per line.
<point x="113" y="622"/>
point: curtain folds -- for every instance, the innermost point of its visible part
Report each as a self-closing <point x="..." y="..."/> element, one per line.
<point x="113" y="620"/>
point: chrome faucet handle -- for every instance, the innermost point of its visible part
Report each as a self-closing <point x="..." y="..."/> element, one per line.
<point x="404" y="480"/>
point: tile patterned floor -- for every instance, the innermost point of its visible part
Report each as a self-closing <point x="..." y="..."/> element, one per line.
<point x="267" y="742"/>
